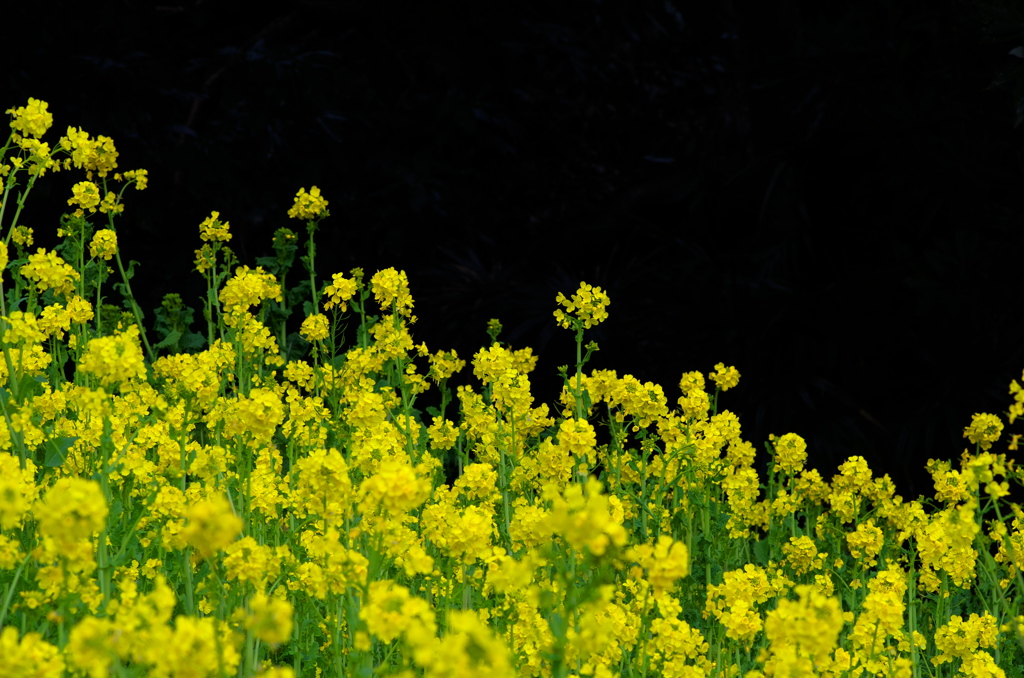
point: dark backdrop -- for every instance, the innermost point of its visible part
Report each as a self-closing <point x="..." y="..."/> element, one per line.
<point x="826" y="195"/>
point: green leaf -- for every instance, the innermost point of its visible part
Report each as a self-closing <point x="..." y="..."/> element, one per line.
<point x="57" y="449"/>
<point x="761" y="552"/>
<point x="170" y="340"/>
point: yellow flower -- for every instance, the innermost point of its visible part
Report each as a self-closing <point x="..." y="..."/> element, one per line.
<point x="212" y="525"/>
<point x="587" y="306"/>
<point x="308" y="205"/>
<point x="587" y="521"/>
<point x="22" y="235"/>
<point x="392" y="287"/>
<point x="270" y="618"/>
<point x="396" y="486"/>
<point x="97" y="154"/>
<point x="72" y="510"/>
<point x="959" y="638"/>
<point x="139" y="176"/>
<point x="214" y="230"/>
<point x="18" y="490"/>
<point x="667" y="561"/>
<point x="812" y="623"/>
<point x="790" y="453"/>
<point x="985" y="429"/>
<point x="29" y="656"/>
<point x="801" y="554"/>
<point x="469" y="649"/>
<point x="391" y="611"/>
<point x="33" y="119"/>
<point x="49" y="271"/>
<point x="248" y="288"/>
<point x="866" y="542"/>
<point x="443" y="434"/>
<point x="90" y="646"/>
<point x="444" y="364"/>
<point x="104" y="244"/>
<point x="339" y="292"/>
<point x="725" y="377"/>
<point x="86" y="195"/>
<point x="315" y="328"/>
<point x="116" y="358"/>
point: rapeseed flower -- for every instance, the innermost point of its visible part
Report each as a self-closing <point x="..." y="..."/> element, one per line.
<point x="91" y="646"/>
<point x="86" y="195"/>
<point x="248" y="287"/>
<point x="725" y="377"/>
<point x="790" y="453"/>
<point x="588" y="307"/>
<point x="323" y="486"/>
<point x="391" y="288"/>
<point x="308" y="205"/>
<point x="468" y="650"/>
<point x="72" y="510"/>
<point x="665" y="562"/>
<point x="315" y="328"/>
<point x="93" y="155"/>
<point x="270" y="618"/>
<point x="587" y="520"/>
<point x="810" y="625"/>
<point x="48" y="271"/>
<point x="391" y="611"/>
<point x="116" y="358"/>
<point x="33" y="119"/>
<point x="339" y="292"/>
<point x="18" y="490"/>
<point x="212" y="525"/>
<point x="395" y="486"/>
<point x="802" y="554"/>
<point x="960" y="638"/>
<point x="984" y="430"/>
<point x="212" y="229"/>
<point x="28" y="655"/>
<point x="103" y="244"/>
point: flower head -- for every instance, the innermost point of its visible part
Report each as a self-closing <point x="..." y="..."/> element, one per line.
<point x="339" y="292"/>
<point x="115" y="358"/>
<point x="49" y="271"/>
<point x="308" y="205"/>
<point x="33" y="119"/>
<point x="212" y="525"/>
<point x="984" y="430"/>
<point x="214" y="230"/>
<point x="104" y="244"/>
<point x="588" y="306"/>
<point x="725" y="377"/>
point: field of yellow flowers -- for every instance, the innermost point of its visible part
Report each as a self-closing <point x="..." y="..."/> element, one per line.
<point x="245" y="501"/>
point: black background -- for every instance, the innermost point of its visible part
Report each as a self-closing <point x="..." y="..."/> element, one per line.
<point x="826" y="195"/>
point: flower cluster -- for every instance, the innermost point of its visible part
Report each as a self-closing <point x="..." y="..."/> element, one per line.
<point x="588" y="306"/>
<point x="249" y="499"/>
<point x="308" y="205"/>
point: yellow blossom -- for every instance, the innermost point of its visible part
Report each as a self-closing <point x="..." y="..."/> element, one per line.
<point x="315" y="328"/>
<point x="725" y="377"/>
<point x="49" y="271"/>
<point x="308" y="205"/>
<point x="104" y="244"/>
<point x="339" y="292"/>
<point x="588" y="306"/>
<point x="270" y="618"/>
<point x="212" y="229"/>
<point x="984" y="430"/>
<point x="33" y="119"/>
<point x="212" y="525"/>
<point x="116" y="358"/>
